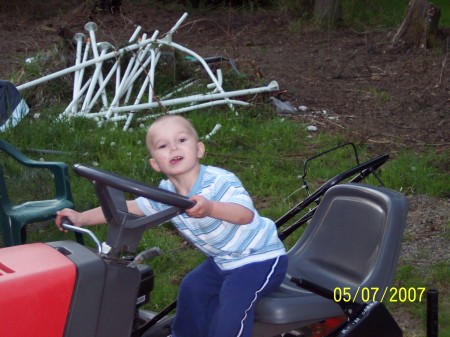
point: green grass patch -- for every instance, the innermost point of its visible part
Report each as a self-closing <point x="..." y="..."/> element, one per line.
<point x="363" y="15"/>
<point x="414" y="173"/>
<point x="444" y="6"/>
<point x="429" y="277"/>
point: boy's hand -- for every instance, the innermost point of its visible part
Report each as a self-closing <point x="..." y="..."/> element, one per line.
<point x="69" y="213"/>
<point x="226" y="211"/>
<point x="202" y="208"/>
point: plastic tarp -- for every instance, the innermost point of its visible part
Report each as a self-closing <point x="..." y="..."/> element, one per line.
<point x="12" y="106"/>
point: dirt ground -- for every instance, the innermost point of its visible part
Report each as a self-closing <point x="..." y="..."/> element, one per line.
<point x="355" y="84"/>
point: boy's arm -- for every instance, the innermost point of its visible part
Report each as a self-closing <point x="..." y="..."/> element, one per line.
<point x="91" y="217"/>
<point x="134" y="208"/>
<point x="226" y="211"/>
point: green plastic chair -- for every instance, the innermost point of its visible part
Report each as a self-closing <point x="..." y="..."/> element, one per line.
<point x="15" y="217"/>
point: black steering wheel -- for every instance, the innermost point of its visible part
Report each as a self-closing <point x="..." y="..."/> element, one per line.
<point x="125" y="228"/>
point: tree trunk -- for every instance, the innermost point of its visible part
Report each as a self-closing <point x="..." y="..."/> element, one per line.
<point x="420" y="25"/>
<point x="107" y="6"/>
<point x="327" y="11"/>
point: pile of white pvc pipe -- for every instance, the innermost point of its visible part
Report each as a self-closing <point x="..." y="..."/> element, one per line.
<point x="138" y="78"/>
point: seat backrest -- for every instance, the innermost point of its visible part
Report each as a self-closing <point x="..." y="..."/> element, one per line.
<point x="4" y="197"/>
<point x="353" y="239"/>
<point x="56" y="172"/>
<point x="8" y="149"/>
<point x="12" y="161"/>
<point x="12" y="151"/>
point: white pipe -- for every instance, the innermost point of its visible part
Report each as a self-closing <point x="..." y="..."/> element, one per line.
<point x="186" y="84"/>
<point x="151" y="73"/>
<point x="84" y="64"/>
<point x="102" y="87"/>
<point x="121" y="90"/>
<point x="120" y="118"/>
<point x="190" y="108"/>
<point x="154" y="58"/>
<point x="138" y="99"/>
<point x="208" y="104"/>
<point x="85" y="56"/>
<point x="91" y="27"/>
<point x="76" y="98"/>
<point x="132" y="66"/>
<point x="213" y="132"/>
<point x="121" y="82"/>
<point x="135" y="72"/>
<point x="95" y="60"/>
<point x="273" y="86"/>
<point x="128" y="95"/>
<point x="101" y="90"/>
<point x="176" y="26"/>
<point x="219" y="78"/>
<point x="95" y="77"/>
<point x="138" y="66"/>
<point x="94" y="115"/>
<point x="79" y="38"/>
<point x="149" y="81"/>
<point x="104" y="46"/>
<point x="118" y="75"/>
<point x="135" y="34"/>
<point x="197" y="56"/>
<point x="201" y="60"/>
<point x="119" y="68"/>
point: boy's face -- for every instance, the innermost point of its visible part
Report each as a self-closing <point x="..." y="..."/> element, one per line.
<point x="174" y="147"/>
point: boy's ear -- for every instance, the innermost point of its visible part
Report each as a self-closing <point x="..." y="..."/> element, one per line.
<point x="154" y="165"/>
<point x="200" y="150"/>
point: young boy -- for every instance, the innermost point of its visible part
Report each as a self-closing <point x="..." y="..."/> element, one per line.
<point x="246" y="260"/>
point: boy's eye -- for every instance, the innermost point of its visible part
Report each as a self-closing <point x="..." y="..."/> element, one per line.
<point x="182" y="140"/>
<point x="162" y="146"/>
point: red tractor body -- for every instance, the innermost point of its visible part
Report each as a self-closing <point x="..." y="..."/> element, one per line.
<point x="65" y="289"/>
<point x="36" y="284"/>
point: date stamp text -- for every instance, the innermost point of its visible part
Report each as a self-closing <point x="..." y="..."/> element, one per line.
<point x="387" y="294"/>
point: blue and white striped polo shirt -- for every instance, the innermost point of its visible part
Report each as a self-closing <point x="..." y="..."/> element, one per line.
<point x="230" y="245"/>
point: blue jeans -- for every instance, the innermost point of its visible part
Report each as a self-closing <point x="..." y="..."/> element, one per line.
<point x="221" y="303"/>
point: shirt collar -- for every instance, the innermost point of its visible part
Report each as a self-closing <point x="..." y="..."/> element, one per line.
<point x="198" y="183"/>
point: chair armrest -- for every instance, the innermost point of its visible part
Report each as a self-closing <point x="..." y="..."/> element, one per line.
<point x="61" y="178"/>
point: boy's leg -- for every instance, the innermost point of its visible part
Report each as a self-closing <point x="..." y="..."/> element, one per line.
<point x="197" y="295"/>
<point x="240" y="291"/>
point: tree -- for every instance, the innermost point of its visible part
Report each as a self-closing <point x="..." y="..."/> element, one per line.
<point x="327" y="11"/>
<point x="420" y="25"/>
<point x="107" y="6"/>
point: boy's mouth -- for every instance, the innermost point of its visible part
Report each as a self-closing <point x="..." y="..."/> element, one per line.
<point x="176" y="160"/>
